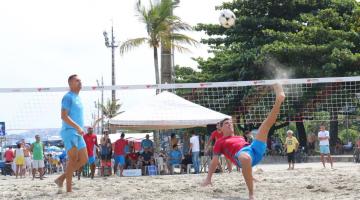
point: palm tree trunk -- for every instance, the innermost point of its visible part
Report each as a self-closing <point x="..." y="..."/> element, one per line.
<point x="166" y="65"/>
<point x="156" y="64"/>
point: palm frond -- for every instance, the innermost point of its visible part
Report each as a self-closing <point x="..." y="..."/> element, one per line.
<point x="110" y="108"/>
<point x="141" y="12"/>
<point x="181" y="49"/>
<point x="183" y="39"/>
<point x="132" y="43"/>
<point x="170" y="39"/>
<point x="178" y="25"/>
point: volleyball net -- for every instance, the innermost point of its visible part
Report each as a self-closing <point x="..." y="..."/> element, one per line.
<point x="317" y="99"/>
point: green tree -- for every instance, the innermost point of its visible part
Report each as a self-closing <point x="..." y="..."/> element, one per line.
<point x="283" y="38"/>
<point x="309" y="39"/>
<point x="162" y="28"/>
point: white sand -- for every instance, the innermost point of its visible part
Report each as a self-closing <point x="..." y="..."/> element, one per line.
<point x="307" y="181"/>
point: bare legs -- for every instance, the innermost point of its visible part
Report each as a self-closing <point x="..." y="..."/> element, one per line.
<point x="262" y="135"/>
<point x="328" y="158"/>
<point x="77" y="158"/>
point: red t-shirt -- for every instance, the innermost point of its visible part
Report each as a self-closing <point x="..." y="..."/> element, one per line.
<point x="133" y="156"/>
<point x="90" y="140"/>
<point x="215" y="135"/>
<point x="9" y="155"/>
<point x="120" y="145"/>
<point x="229" y="146"/>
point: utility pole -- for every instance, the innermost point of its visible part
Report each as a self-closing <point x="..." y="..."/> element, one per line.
<point x="113" y="46"/>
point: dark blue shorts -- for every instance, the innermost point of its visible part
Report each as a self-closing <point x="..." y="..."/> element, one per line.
<point x="255" y="150"/>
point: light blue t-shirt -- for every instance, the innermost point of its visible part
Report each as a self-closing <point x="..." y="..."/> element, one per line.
<point x="72" y="103"/>
<point x="146" y="143"/>
<point x="175" y="156"/>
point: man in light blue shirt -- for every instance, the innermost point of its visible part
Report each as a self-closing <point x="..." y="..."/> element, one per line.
<point x="72" y="132"/>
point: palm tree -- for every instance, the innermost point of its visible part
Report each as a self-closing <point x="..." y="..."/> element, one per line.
<point x="110" y="109"/>
<point x="162" y="29"/>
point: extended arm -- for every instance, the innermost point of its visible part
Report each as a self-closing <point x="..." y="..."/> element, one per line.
<point x="212" y="167"/>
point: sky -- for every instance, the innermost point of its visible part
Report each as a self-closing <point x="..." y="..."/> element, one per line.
<point x="44" y="41"/>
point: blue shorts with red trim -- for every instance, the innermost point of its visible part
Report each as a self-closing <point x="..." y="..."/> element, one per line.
<point x="255" y="150"/>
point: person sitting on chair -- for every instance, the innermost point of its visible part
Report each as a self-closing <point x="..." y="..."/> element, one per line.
<point x="186" y="161"/>
<point x="147" y="158"/>
<point x="175" y="157"/>
<point x="348" y="146"/>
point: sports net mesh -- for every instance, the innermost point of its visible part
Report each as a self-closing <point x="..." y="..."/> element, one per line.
<point x="308" y="101"/>
<point x="247" y="102"/>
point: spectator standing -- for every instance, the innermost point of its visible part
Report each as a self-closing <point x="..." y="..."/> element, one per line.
<point x="195" y="151"/>
<point x="119" y="153"/>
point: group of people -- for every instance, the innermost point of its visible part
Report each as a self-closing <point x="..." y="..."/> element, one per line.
<point x="26" y="158"/>
<point x="124" y="155"/>
<point x="121" y="154"/>
<point x="243" y="152"/>
<point x="291" y="147"/>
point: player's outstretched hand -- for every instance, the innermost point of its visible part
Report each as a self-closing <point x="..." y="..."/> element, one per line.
<point x="279" y="91"/>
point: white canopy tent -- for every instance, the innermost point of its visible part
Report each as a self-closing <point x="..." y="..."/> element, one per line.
<point x="167" y="111"/>
<point x="129" y="136"/>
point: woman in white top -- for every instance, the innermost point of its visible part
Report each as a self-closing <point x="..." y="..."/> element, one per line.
<point x="19" y="160"/>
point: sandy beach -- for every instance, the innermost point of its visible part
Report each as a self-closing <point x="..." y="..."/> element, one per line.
<point x="307" y="181"/>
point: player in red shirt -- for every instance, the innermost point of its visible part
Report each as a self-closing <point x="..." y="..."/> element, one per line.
<point x="236" y="149"/>
<point x="216" y="135"/>
<point x="91" y="141"/>
<point x="119" y="153"/>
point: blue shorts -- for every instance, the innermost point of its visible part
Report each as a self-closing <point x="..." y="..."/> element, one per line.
<point x="120" y="159"/>
<point x="255" y="150"/>
<point x="91" y="160"/>
<point x="324" y="149"/>
<point x="72" y="139"/>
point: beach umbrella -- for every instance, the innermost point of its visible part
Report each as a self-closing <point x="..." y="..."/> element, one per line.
<point x="53" y="148"/>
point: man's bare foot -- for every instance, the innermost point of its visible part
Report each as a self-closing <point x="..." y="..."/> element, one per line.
<point x="206" y="183"/>
<point x="251" y="197"/>
<point x="279" y="91"/>
<point x="58" y="183"/>
<point x="60" y="190"/>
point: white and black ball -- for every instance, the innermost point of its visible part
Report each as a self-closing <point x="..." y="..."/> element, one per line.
<point x="227" y="18"/>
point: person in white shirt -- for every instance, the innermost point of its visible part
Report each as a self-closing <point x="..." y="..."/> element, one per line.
<point x="195" y="151"/>
<point x="324" y="137"/>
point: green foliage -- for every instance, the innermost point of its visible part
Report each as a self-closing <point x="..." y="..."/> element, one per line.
<point x="309" y="38"/>
<point x="162" y="27"/>
<point x="348" y="135"/>
<point x="111" y="108"/>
